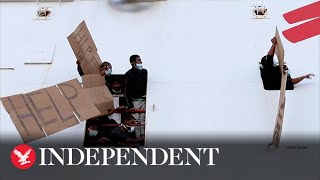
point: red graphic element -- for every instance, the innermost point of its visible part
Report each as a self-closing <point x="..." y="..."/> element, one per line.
<point x="23" y="156"/>
<point x="305" y="30"/>
<point x="304" y="13"/>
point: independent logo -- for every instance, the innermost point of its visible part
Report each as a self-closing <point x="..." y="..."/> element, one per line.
<point x="23" y="156"/>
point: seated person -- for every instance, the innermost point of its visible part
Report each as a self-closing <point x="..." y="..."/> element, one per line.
<point x="97" y="135"/>
<point x="124" y="135"/>
<point x="271" y="74"/>
<point x="105" y="70"/>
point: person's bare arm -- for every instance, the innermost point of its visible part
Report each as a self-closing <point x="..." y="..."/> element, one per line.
<point x="299" y="79"/>
<point x="273" y="47"/>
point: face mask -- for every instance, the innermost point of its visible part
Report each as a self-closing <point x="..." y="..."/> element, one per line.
<point x="108" y="72"/>
<point x="92" y="133"/>
<point x="139" y="66"/>
<point x="130" y="129"/>
<point x="116" y="91"/>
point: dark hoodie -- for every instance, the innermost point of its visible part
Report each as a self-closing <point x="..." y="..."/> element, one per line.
<point x="135" y="85"/>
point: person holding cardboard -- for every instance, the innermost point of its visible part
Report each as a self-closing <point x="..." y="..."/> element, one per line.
<point x="105" y="70"/>
<point x="271" y="74"/>
<point x="135" y="89"/>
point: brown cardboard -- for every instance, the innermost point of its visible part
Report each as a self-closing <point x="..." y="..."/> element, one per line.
<point x="279" y="51"/>
<point x="280" y="115"/>
<point x="62" y="111"/>
<point x="46" y="111"/>
<point x="85" y="49"/>
<point x="23" y="118"/>
<point x="279" y="120"/>
<point x="93" y="80"/>
<point x="79" y="99"/>
<point x="94" y="84"/>
<point x="41" y="108"/>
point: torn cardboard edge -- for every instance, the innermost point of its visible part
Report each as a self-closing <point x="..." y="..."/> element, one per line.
<point x="45" y="111"/>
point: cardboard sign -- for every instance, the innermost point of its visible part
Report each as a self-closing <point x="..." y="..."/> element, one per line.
<point x="93" y="80"/>
<point x="282" y="101"/>
<point x="94" y="84"/>
<point x="279" y="120"/>
<point x="23" y="118"/>
<point x="85" y="50"/>
<point x="49" y="110"/>
<point x="279" y="51"/>
<point x="79" y="99"/>
<point x="59" y="112"/>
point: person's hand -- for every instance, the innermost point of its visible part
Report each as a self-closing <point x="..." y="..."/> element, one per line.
<point x="274" y="40"/>
<point x="102" y="70"/>
<point x="309" y="76"/>
<point x="111" y="111"/>
<point x="102" y="73"/>
<point x="121" y="107"/>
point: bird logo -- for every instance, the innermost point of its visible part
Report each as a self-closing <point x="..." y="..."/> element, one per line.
<point x="23" y="156"/>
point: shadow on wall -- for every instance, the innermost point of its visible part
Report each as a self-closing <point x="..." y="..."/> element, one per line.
<point x="130" y="5"/>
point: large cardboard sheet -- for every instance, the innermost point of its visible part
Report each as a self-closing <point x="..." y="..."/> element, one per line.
<point x="57" y="108"/>
<point x="85" y="50"/>
<point x="279" y="51"/>
<point x="46" y="111"/>
<point x="279" y="120"/>
<point x="79" y="99"/>
<point x="94" y="84"/>
<point x="23" y="118"/>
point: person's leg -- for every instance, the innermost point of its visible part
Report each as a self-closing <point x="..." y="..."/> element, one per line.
<point x="137" y="117"/>
<point x="142" y="105"/>
<point x="140" y="117"/>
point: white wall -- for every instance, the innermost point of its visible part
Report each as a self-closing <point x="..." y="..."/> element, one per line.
<point x="202" y="58"/>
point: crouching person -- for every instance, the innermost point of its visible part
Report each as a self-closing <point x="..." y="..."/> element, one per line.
<point x="124" y="135"/>
<point x="271" y="73"/>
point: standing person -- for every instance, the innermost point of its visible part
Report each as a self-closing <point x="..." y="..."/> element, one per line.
<point x="105" y="70"/>
<point x="135" y="90"/>
<point x="271" y="74"/>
